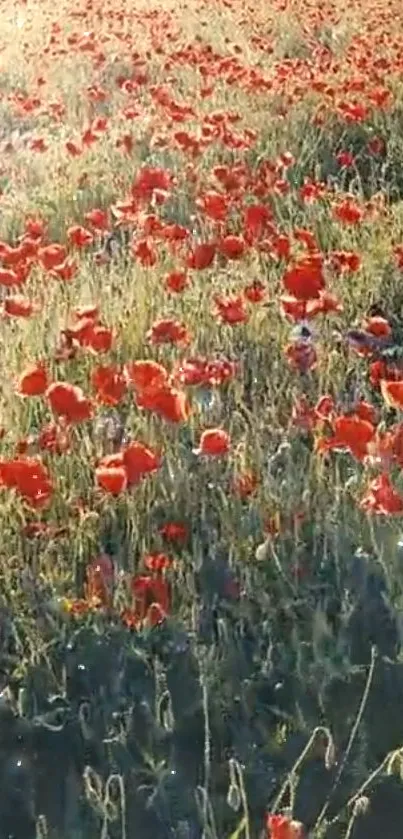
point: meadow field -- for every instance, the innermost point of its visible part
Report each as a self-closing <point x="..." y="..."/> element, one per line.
<point x="201" y="429"/>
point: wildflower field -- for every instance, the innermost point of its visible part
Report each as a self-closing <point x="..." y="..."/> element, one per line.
<point x="201" y="429"/>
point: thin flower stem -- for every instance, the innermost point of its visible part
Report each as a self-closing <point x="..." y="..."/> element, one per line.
<point x="352" y="737"/>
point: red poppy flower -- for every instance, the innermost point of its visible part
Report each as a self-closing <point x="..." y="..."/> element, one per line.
<point x="351" y="433"/>
<point x="139" y="461"/>
<point x="231" y="309"/>
<point x="214" y="205"/>
<point x="392" y="392"/>
<point x="256" y="218"/>
<point x="202" y="256"/>
<point x="292" y="308"/>
<point x="81" y="332"/>
<point x="34" y="381"/>
<point x="29" y="477"/>
<point x="324" y="407"/>
<point x="168" y="331"/>
<point x="191" y="371"/>
<point x="19" y="307"/>
<point x="152" y="599"/>
<point x="100" y="339"/>
<point x="98" y="219"/>
<point x="380" y="369"/>
<point x="166" y="401"/>
<point x="35" y="228"/>
<point x="173" y="234"/>
<point x="11" y="257"/>
<point x="51" y="255"/>
<point x="307" y="418"/>
<point x="9" y="278"/>
<point x="157" y="562"/>
<point x="149" y="179"/>
<point x="387" y="447"/>
<point x="29" y="249"/>
<point x="231" y="177"/>
<point x="66" y="271"/>
<point x="202" y="371"/>
<point x="112" y="479"/>
<point x="145" y="373"/>
<point x="348" y="212"/>
<point x="382" y="498"/>
<point x="109" y="384"/>
<point x="144" y="252"/>
<point x="174" y="532"/>
<point x="176" y="281"/>
<point x="345" y="158"/>
<point x="378" y="326"/>
<point x="279" y="247"/>
<point x="255" y="292"/>
<point x="115" y="459"/>
<point x="305" y="279"/>
<point x="326" y="304"/>
<point x="91" y="335"/>
<point x="342" y="261"/>
<point x="232" y="247"/>
<point x="214" y="442"/>
<point x="79" y="236"/>
<point x="283" y="827"/>
<point x="68" y="401"/>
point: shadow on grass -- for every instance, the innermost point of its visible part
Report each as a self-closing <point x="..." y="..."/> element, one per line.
<point x="122" y="730"/>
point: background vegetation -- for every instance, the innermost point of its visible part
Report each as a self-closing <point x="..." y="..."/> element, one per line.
<point x="201" y="578"/>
